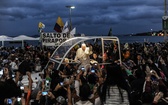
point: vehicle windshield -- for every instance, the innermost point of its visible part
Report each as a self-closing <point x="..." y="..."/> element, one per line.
<point x="63" y="50"/>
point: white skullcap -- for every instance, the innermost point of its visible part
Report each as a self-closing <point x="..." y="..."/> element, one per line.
<point x="83" y="44"/>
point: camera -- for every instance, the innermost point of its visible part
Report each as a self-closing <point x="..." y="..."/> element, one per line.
<point x="47" y="83"/>
<point x="1" y="72"/>
<point x="44" y="93"/>
<point x="13" y="75"/>
<point x="151" y="71"/>
<point x="18" y="99"/>
<point x="83" y="69"/>
<point x="61" y="83"/>
<point x="92" y="71"/>
<point x="21" y="87"/>
<point x="9" y="101"/>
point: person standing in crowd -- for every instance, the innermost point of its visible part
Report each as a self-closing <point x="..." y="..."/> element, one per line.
<point x="115" y="81"/>
<point x="137" y="86"/>
<point x="127" y="62"/>
<point x="13" y="64"/>
<point x="139" y="59"/>
<point x="48" y="71"/>
<point x="84" y="94"/>
<point x="24" y="65"/>
<point x="114" y="52"/>
<point x="95" y="59"/>
<point x="8" y="87"/>
<point x="154" y="91"/>
<point x="105" y="60"/>
<point x="68" y="69"/>
<point x="29" y="89"/>
<point x="37" y="64"/>
<point x="83" y="55"/>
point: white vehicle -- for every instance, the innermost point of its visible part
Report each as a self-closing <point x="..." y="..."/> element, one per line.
<point x="62" y="51"/>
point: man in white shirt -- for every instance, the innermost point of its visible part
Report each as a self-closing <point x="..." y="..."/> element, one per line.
<point x="13" y="65"/>
<point x="83" y="55"/>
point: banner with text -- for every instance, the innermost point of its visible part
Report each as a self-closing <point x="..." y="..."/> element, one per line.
<point x="53" y="38"/>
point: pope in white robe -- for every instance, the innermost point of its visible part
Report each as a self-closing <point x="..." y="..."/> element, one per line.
<point x="83" y="55"/>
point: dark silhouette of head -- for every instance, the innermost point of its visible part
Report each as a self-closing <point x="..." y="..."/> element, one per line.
<point x="85" y="92"/>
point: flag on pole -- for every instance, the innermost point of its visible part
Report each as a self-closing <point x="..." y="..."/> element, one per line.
<point x="65" y="30"/>
<point x="110" y="32"/>
<point x="59" y="25"/>
<point x="65" y="26"/>
<point x="73" y="32"/>
<point x="41" y="26"/>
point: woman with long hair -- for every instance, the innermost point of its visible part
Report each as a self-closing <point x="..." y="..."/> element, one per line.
<point x="115" y="81"/>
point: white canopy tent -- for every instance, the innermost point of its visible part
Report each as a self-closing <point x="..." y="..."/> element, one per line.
<point x="22" y="38"/>
<point x="5" y="38"/>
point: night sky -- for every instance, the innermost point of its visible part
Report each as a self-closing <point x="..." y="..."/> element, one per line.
<point x="91" y="17"/>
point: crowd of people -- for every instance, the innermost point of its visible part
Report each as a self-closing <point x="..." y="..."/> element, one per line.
<point x="142" y="74"/>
